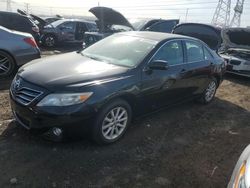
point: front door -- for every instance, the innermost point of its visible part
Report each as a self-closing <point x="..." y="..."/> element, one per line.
<point x="68" y="30"/>
<point x="164" y="87"/>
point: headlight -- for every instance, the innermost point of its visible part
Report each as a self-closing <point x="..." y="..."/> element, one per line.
<point x="65" y="99"/>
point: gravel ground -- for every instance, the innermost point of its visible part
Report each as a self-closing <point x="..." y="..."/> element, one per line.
<point x="189" y="145"/>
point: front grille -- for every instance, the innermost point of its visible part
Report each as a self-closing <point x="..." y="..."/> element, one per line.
<point x="26" y="96"/>
<point x="22" y="93"/>
<point x="235" y="62"/>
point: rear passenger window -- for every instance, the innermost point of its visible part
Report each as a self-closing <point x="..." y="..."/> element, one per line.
<point x="207" y="54"/>
<point x="194" y="51"/>
<point x="171" y="52"/>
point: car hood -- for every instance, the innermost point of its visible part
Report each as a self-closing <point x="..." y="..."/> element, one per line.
<point x="209" y="34"/>
<point x="107" y="15"/>
<point x="41" y="21"/>
<point x="237" y="38"/>
<point x="69" y="70"/>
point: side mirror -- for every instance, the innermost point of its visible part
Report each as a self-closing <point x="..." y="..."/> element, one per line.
<point x="159" y="65"/>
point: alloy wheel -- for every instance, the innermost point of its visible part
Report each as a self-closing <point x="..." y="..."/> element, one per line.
<point x="114" y="123"/>
<point x="5" y="65"/>
<point x="50" y="41"/>
<point x="210" y="91"/>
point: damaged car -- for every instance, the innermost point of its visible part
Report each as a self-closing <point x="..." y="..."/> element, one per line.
<point x="66" y="31"/>
<point x="236" y="50"/>
<point x="19" y="22"/>
<point x="207" y="33"/>
<point x="110" y="21"/>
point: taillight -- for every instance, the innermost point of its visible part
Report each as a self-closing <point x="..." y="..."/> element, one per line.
<point x="30" y="41"/>
<point x="35" y="29"/>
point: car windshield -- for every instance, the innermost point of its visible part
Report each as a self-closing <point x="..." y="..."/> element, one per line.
<point x="120" y="49"/>
<point x="138" y="23"/>
<point x="56" y="23"/>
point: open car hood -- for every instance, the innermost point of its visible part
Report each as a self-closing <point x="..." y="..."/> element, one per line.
<point x="38" y="20"/>
<point x="108" y="16"/>
<point x="237" y="38"/>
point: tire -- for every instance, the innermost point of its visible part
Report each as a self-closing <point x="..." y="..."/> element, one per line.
<point x="7" y="65"/>
<point x="110" y="127"/>
<point x="49" y="41"/>
<point x="209" y="93"/>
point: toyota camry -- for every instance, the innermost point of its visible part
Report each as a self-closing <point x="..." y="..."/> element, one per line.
<point x="118" y="78"/>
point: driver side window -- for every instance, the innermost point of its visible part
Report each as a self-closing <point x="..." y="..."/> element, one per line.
<point x="171" y="52"/>
<point x="68" y="26"/>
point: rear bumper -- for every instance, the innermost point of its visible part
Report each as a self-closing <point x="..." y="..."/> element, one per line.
<point x="27" y="57"/>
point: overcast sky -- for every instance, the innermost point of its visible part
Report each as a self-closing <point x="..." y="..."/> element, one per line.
<point x="198" y="10"/>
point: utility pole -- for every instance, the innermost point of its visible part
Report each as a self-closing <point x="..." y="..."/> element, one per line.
<point x="186" y="15"/>
<point x="238" y="10"/>
<point x="27" y="7"/>
<point x="222" y="13"/>
<point x="8" y="6"/>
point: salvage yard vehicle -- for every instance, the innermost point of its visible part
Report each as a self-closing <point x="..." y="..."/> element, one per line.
<point x="116" y="79"/>
<point x="236" y="50"/>
<point x="207" y="33"/>
<point x="66" y="30"/>
<point x="110" y="21"/>
<point x="18" y="22"/>
<point x="232" y="44"/>
<point x="16" y="49"/>
<point x="241" y="173"/>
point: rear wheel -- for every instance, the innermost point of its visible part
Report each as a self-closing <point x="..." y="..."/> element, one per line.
<point x="7" y="65"/>
<point x="209" y="93"/>
<point x="49" y="40"/>
<point x="112" y="122"/>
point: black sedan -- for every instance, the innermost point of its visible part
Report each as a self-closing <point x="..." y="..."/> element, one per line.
<point x="116" y="79"/>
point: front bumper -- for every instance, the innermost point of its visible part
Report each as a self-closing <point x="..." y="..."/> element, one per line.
<point x="48" y="117"/>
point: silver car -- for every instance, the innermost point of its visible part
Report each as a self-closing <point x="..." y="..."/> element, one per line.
<point x="241" y="174"/>
<point x="16" y="49"/>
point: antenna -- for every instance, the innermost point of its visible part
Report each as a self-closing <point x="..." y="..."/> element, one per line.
<point x="238" y="10"/>
<point x="222" y="13"/>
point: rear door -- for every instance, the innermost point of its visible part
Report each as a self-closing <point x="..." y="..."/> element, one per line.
<point x="80" y="31"/>
<point x="198" y="65"/>
<point x="164" y="87"/>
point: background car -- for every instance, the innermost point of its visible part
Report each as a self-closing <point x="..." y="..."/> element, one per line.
<point x="110" y="21"/>
<point x="18" y="22"/>
<point x="16" y="49"/>
<point x="232" y="44"/>
<point x="236" y="50"/>
<point x="66" y="30"/>
<point x="207" y="33"/>
<point x="120" y="77"/>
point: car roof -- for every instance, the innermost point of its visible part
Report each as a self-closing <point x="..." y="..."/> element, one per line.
<point x="77" y="20"/>
<point x="156" y="36"/>
<point x="11" y="13"/>
<point x="200" y="24"/>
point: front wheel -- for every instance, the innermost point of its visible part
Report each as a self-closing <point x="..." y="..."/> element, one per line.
<point x="112" y="122"/>
<point x="209" y="93"/>
<point x="49" y="41"/>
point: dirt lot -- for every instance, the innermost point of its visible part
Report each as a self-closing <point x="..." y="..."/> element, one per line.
<point x="189" y="145"/>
